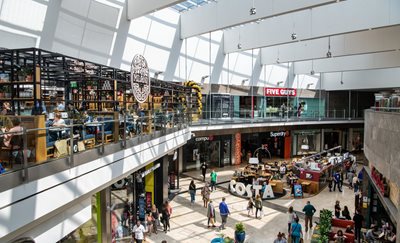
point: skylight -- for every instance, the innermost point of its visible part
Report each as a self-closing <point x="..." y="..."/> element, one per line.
<point x="189" y="4"/>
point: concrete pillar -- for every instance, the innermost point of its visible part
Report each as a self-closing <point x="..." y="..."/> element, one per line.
<point x="103" y="204"/>
<point x="237" y="149"/>
<point x="164" y="167"/>
<point x="350" y="139"/>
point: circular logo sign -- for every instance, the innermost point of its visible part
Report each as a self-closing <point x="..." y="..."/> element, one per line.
<point x="140" y="79"/>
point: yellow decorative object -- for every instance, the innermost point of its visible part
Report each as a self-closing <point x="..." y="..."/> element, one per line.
<point x="197" y="88"/>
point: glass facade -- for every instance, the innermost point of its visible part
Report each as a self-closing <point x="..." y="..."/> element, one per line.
<point x="214" y="150"/>
<point x="306" y="142"/>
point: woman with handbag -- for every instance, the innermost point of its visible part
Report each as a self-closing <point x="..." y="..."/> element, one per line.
<point x="296" y="231"/>
<point x="155" y="214"/>
<point x="211" y="214"/>
<point x="258" y="205"/>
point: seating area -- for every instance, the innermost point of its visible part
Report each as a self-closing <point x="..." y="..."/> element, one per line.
<point x="341" y="224"/>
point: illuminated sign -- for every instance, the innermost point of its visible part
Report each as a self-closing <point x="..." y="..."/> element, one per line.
<point x="279" y="92"/>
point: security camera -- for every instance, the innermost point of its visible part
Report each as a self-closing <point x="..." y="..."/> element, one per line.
<point x="239" y="46"/>
<point x="294" y="36"/>
<point x="253" y="11"/>
<point x="329" y="54"/>
<point x="312" y="72"/>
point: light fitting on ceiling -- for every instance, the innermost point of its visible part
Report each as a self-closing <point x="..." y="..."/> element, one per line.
<point x="156" y="74"/>
<point x="277" y="60"/>
<point x="244" y="81"/>
<point x="239" y="46"/>
<point x="312" y="72"/>
<point x="341" y="78"/>
<point x="253" y="9"/>
<point x="329" y="53"/>
<point x="294" y="36"/>
<point x="279" y="83"/>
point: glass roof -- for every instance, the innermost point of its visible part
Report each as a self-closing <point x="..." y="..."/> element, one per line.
<point x="189" y="4"/>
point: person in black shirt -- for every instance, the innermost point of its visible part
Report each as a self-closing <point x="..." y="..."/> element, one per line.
<point x="204" y="170"/>
<point x="358" y="219"/>
<point x="192" y="191"/>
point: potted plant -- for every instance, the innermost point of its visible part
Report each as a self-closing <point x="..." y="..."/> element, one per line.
<point x="240" y="234"/>
<point x="325" y="224"/>
<point x="25" y="74"/>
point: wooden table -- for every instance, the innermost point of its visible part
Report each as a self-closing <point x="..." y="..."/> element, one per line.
<point x="305" y="186"/>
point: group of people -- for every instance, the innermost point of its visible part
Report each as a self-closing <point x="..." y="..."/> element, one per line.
<point x="150" y="223"/>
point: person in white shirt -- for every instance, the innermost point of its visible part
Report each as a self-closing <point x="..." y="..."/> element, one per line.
<point x="138" y="232"/>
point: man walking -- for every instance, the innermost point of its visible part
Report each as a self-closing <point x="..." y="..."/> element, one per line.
<point x="204" y="170"/>
<point x="213" y="176"/>
<point x="358" y="219"/>
<point x="223" y="211"/>
<point x="309" y="211"/>
<point x="337" y="181"/>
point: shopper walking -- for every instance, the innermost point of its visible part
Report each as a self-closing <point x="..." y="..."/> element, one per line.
<point x="296" y="231"/>
<point x="224" y="212"/>
<point x="291" y="217"/>
<point x="337" y="182"/>
<point x="204" y="170"/>
<point x="309" y="211"/>
<point x="213" y="176"/>
<point x="138" y="232"/>
<point x="156" y="216"/>
<point x="149" y="223"/>
<point x="250" y="206"/>
<point x="258" y="205"/>
<point x="337" y="209"/>
<point x="211" y="214"/>
<point x="205" y="193"/>
<point x="358" y="219"/>
<point x="165" y="212"/>
<point x="192" y="191"/>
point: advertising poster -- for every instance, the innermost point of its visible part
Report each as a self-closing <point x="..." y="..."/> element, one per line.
<point x="298" y="191"/>
<point x="142" y="209"/>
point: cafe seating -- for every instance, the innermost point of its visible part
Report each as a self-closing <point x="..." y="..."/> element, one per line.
<point x="108" y="130"/>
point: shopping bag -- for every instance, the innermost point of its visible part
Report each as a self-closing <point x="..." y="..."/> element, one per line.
<point x="81" y="146"/>
<point x="61" y="148"/>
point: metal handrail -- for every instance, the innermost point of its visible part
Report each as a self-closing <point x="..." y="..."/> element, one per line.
<point x="171" y="116"/>
<point x="375" y="108"/>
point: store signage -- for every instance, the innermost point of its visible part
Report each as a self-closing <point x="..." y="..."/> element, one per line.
<point x="140" y="78"/>
<point x="203" y="139"/>
<point x="298" y="191"/>
<point x="279" y="134"/>
<point x="149" y="201"/>
<point x="247" y="191"/>
<point x="279" y="92"/>
<point x="153" y="168"/>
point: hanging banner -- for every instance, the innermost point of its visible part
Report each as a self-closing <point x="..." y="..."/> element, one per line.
<point x="140" y="79"/>
<point x="279" y="92"/>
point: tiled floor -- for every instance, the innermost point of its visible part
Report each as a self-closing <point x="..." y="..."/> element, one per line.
<point x="189" y="222"/>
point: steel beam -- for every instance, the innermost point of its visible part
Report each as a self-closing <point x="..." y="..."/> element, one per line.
<point x="138" y="8"/>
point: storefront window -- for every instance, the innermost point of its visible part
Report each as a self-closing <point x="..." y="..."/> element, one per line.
<point x="214" y="150"/>
<point x="306" y="142"/>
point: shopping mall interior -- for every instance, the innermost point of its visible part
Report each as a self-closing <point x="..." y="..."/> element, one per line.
<point x="199" y="121"/>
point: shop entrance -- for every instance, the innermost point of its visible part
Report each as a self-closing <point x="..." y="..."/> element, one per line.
<point x="274" y="142"/>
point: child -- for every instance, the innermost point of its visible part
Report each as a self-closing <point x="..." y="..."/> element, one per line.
<point x="250" y="206"/>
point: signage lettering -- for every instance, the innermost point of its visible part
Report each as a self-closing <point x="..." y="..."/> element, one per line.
<point x="140" y="79"/>
<point x="279" y="92"/>
<point x="150" y="170"/>
<point x="278" y="134"/>
<point x="246" y="191"/>
<point x="203" y="139"/>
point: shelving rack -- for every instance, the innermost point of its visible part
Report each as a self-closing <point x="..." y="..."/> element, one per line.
<point x="31" y="79"/>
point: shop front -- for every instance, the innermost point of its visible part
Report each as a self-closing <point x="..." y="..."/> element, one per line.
<point x="306" y="142"/>
<point x="214" y="150"/>
<point x="275" y="143"/>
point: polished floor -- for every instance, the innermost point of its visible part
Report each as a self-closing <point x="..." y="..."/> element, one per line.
<point x="189" y="221"/>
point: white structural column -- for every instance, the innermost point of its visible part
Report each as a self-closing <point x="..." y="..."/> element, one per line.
<point x="219" y="14"/>
<point x="369" y="41"/>
<point x="138" y="8"/>
<point x="333" y="19"/>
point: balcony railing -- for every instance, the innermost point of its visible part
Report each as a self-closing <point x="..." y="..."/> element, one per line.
<point x="35" y="146"/>
<point x="257" y="116"/>
<point x="386" y="109"/>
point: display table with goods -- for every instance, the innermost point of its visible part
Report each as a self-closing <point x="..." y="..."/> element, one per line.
<point x="257" y="179"/>
<point x="314" y="171"/>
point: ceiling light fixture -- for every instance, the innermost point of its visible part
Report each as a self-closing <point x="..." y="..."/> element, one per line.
<point x="244" y="81"/>
<point x="329" y="53"/>
<point x="239" y="46"/>
<point x="279" y="83"/>
<point x="253" y="10"/>
<point x="156" y="74"/>
<point x="294" y="36"/>
<point x="341" y="78"/>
